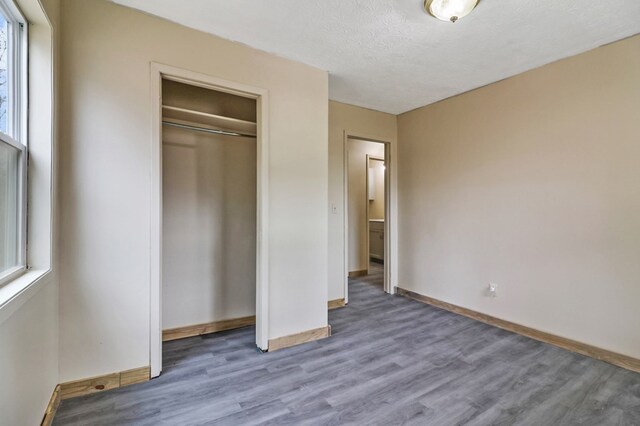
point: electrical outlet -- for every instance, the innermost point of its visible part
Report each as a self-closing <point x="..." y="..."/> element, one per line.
<point x="492" y="290"/>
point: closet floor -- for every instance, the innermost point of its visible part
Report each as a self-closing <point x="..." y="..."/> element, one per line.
<point x="390" y="360"/>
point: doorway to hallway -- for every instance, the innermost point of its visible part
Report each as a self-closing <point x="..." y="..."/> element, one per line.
<point x="367" y="210"/>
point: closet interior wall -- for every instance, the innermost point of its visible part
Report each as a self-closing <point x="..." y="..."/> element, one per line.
<point x="209" y="207"/>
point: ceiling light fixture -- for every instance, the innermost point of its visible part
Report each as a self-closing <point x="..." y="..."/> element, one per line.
<point x="449" y="10"/>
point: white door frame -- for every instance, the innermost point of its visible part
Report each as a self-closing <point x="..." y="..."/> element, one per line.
<point x="159" y="72"/>
<point x="390" y="221"/>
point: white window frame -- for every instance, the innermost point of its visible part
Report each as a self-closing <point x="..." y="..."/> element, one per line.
<point x="17" y="96"/>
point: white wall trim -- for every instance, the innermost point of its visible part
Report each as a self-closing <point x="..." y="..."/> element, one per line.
<point x="390" y="210"/>
<point x="158" y="72"/>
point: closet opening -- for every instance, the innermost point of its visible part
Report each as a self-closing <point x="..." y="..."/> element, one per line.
<point x="208" y="209"/>
<point x="209" y="253"/>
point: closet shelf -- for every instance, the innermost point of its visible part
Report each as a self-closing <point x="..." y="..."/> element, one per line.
<point x="183" y="115"/>
<point x="205" y="128"/>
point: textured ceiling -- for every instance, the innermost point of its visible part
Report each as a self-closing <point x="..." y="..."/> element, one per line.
<point x="391" y="56"/>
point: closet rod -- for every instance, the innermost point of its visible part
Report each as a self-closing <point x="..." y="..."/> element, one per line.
<point x="207" y="130"/>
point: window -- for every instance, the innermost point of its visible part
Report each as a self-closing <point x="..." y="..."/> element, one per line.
<point x="13" y="149"/>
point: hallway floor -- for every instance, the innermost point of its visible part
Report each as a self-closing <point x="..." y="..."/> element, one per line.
<point x="390" y="360"/>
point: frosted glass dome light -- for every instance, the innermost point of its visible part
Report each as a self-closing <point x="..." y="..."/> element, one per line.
<point x="449" y="10"/>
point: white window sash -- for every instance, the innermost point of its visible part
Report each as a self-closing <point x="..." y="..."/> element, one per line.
<point x="17" y="44"/>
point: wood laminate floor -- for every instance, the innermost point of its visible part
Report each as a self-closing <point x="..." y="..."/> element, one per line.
<point x="390" y="361"/>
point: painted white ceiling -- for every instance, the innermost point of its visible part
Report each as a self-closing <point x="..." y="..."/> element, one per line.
<point x="391" y="56"/>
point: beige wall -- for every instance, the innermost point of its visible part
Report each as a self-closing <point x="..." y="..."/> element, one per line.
<point x="105" y="182"/>
<point x="364" y="123"/>
<point x="532" y="183"/>
<point x="358" y="199"/>
<point x="29" y="356"/>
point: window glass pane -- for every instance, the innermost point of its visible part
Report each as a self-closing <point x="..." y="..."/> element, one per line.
<point x="4" y="75"/>
<point x="9" y="220"/>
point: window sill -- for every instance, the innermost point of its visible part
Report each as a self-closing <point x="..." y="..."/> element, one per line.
<point x="16" y="292"/>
